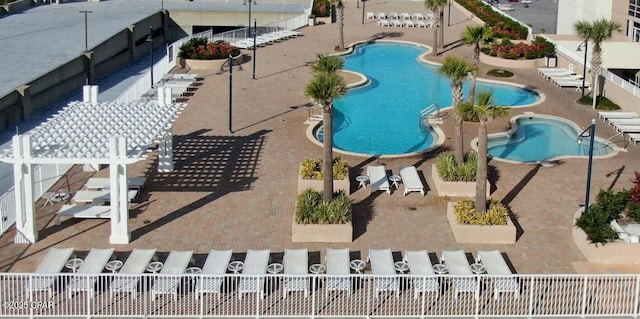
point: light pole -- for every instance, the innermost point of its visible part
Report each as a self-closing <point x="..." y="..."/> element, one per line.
<point x="86" y="30"/>
<point x="592" y="135"/>
<point x="449" y="14"/>
<point x="150" y="40"/>
<point x="255" y="47"/>
<point x="249" y="25"/>
<point x="230" y="61"/>
<point x="363" y="5"/>
<point x="584" y="64"/>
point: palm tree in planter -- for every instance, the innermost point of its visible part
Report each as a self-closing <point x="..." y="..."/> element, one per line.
<point x="476" y="36"/>
<point x="323" y="88"/>
<point x="437" y="7"/>
<point x="598" y="31"/>
<point x="457" y="69"/>
<point x="484" y="110"/>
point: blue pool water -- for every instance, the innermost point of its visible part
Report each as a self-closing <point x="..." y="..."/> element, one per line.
<point x="543" y="138"/>
<point x="383" y="118"/>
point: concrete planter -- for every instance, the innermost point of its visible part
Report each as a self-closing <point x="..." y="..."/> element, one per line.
<point x="208" y="64"/>
<point x="454" y="189"/>
<point x="619" y="252"/>
<point x="476" y="234"/>
<point x="316" y="184"/>
<point x="325" y="233"/>
<point x="509" y="63"/>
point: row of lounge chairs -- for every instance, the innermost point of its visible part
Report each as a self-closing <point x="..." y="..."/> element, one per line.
<point x="406" y="23"/>
<point x="564" y="77"/>
<point x="624" y="122"/>
<point x="404" y="16"/>
<point x="256" y="264"/>
<point x="266" y="38"/>
<point x="379" y="180"/>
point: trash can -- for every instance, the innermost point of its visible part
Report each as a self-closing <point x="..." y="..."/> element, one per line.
<point x="312" y="20"/>
<point x="551" y="61"/>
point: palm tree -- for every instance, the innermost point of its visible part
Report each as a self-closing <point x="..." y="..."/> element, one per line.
<point x="323" y="88"/>
<point x="457" y="69"/>
<point x="598" y="31"/>
<point x="327" y="63"/>
<point x="485" y="110"/>
<point x="340" y="8"/>
<point x="437" y="6"/>
<point x="476" y="36"/>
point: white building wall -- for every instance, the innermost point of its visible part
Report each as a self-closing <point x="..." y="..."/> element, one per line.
<point x="570" y="11"/>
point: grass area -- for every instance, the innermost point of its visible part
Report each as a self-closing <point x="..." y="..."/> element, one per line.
<point x="601" y="104"/>
<point x="500" y="73"/>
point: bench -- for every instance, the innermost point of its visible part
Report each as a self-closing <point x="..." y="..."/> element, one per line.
<point x="83" y="211"/>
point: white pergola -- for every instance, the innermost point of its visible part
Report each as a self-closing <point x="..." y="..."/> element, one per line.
<point x="93" y="133"/>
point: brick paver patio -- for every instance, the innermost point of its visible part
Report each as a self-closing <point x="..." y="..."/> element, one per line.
<point x="238" y="191"/>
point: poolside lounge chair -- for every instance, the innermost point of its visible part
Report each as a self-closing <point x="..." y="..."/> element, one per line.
<point x="458" y="265"/>
<point x="371" y="15"/>
<point x="565" y="78"/>
<point x="98" y="197"/>
<point x="411" y="180"/>
<point x="421" y="24"/>
<point x="634" y="137"/>
<point x="418" y="16"/>
<point x="175" y="265"/>
<point x="495" y="264"/>
<point x="337" y="262"/>
<point x="216" y="264"/>
<point x="255" y="266"/>
<point x="82" y="211"/>
<point x="635" y="121"/>
<point x="618" y="115"/>
<point x="397" y="23"/>
<point x="546" y="72"/>
<point x="378" y="178"/>
<point x="128" y="278"/>
<point x="384" y="23"/>
<point x="382" y="264"/>
<point x="91" y="266"/>
<point x="98" y="183"/>
<point x="574" y="83"/>
<point x="409" y="24"/>
<point x="296" y="263"/>
<point x="630" y="128"/>
<point x="420" y="265"/>
<point x="52" y="263"/>
<point x="382" y="15"/>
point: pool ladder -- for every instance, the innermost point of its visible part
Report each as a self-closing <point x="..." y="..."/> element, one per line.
<point x="431" y="115"/>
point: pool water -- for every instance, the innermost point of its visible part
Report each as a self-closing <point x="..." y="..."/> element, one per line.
<point x="383" y="117"/>
<point x="544" y="138"/>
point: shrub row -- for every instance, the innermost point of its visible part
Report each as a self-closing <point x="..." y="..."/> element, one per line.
<point x="501" y="26"/>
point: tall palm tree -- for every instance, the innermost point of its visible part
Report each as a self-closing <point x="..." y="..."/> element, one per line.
<point x="457" y="69"/>
<point x="327" y="63"/>
<point x="597" y="31"/>
<point x="323" y="88"/>
<point x="437" y="6"/>
<point x="485" y="109"/>
<point x="476" y="36"/>
<point x="340" y="7"/>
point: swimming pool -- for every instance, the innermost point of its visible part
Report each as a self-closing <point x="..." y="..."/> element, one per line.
<point x="383" y="117"/>
<point x="537" y="138"/>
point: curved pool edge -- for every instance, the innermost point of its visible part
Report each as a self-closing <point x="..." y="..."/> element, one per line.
<point x="514" y="128"/>
<point x="436" y="143"/>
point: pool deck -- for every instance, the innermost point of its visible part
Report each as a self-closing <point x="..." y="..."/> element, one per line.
<point x="238" y="191"/>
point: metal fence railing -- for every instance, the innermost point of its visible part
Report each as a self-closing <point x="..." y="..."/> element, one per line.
<point x="310" y="296"/>
<point x="624" y="84"/>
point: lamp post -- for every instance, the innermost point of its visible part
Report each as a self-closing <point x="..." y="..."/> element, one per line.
<point x="150" y="40"/>
<point x="592" y="135"/>
<point x="363" y="5"/>
<point x="449" y="14"/>
<point x="230" y="61"/>
<point x="255" y="47"/>
<point x="86" y="30"/>
<point x="249" y="25"/>
<point x="584" y="64"/>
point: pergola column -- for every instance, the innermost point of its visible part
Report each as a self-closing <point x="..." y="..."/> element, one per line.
<point x="26" y="232"/>
<point x="165" y="150"/>
<point x="119" y="191"/>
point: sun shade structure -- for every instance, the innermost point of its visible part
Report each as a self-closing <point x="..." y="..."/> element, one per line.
<point x="89" y="132"/>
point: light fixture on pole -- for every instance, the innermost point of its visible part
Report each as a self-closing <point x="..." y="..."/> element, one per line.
<point x="150" y="40"/>
<point x="363" y="5"/>
<point x="591" y="130"/>
<point x="86" y="30"/>
<point x="584" y="64"/>
<point x="249" y="25"/>
<point x="255" y="47"/>
<point x="449" y="14"/>
<point x="230" y="61"/>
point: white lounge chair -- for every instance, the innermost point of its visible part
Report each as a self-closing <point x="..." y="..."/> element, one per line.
<point x="634" y="137"/>
<point x="52" y="263"/>
<point x="574" y="83"/>
<point x="411" y="180"/>
<point x="384" y="23"/>
<point x="216" y="264"/>
<point x="397" y="23"/>
<point x="418" y="16"/>
<point x="128" y="278"/>
<point x="86" y="275"/>
<point x="495" y="264"/>
<point x="405" y="16"/>
<point x="82" y="211"/>
<point x="458" y="265"/>
<point x="420" y="265"/>
<point x="557" y="74"/>
<point x="622" y="234"/>
<point x="371" y="15"/>
<point x="421" y="24"/>
<point x="378" y="178"/>
<point x="175" y="265"/>
<point x="409" y="24"/>
<point x="565" y="78"/>
<point x="617" y="115"/>
<point x="614" y="121"/>
<point x="98" y="197"/>
<point x="99" y="183"/>
<point x="546" y="72"/>
<point x="624" y="128"/>
<point x="337" y="262"/>
<point x="394" y="15"/>
<point x="382" y="15"/>
<point x="382" y="264"/>
<point x="296" y="263"/>
<point x="255" y="266"/>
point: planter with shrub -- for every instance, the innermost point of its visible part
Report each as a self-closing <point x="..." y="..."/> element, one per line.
<point x="310" y="176"/>
<point x="199" y="53"/>
<point x="454" y="180"/>
<point x="492" y="227"/>
<point x="316" y="221"/>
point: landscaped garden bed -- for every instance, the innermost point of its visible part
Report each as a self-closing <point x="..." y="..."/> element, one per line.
<point x="310" y="176"/>
<point x="455" y="180"/>
<point x="199" y="53"/>
<point x="316" y="221"/>
<point x="492" y="227"/>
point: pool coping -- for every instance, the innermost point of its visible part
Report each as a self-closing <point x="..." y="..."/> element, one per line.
<point x="551" y="161"/>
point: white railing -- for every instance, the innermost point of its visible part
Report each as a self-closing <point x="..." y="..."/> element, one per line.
<point x="143" y="84"/>
<point x="45" y="176"/>
<point x="309" y="296"/>
<point x="626" y="85"/>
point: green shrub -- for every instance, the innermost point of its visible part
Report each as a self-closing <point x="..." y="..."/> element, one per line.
<point x="312" y="169"/>
<point x="310" y="208"/>
<point x="595" y="223"/>
<point x="497" y="214"/>
<point x="602" y="104"/>
<point x="202" y="49"/>
<point x="500" y="73"/>
<point x="501" y="26"/>
<point x="451" y="172"/>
